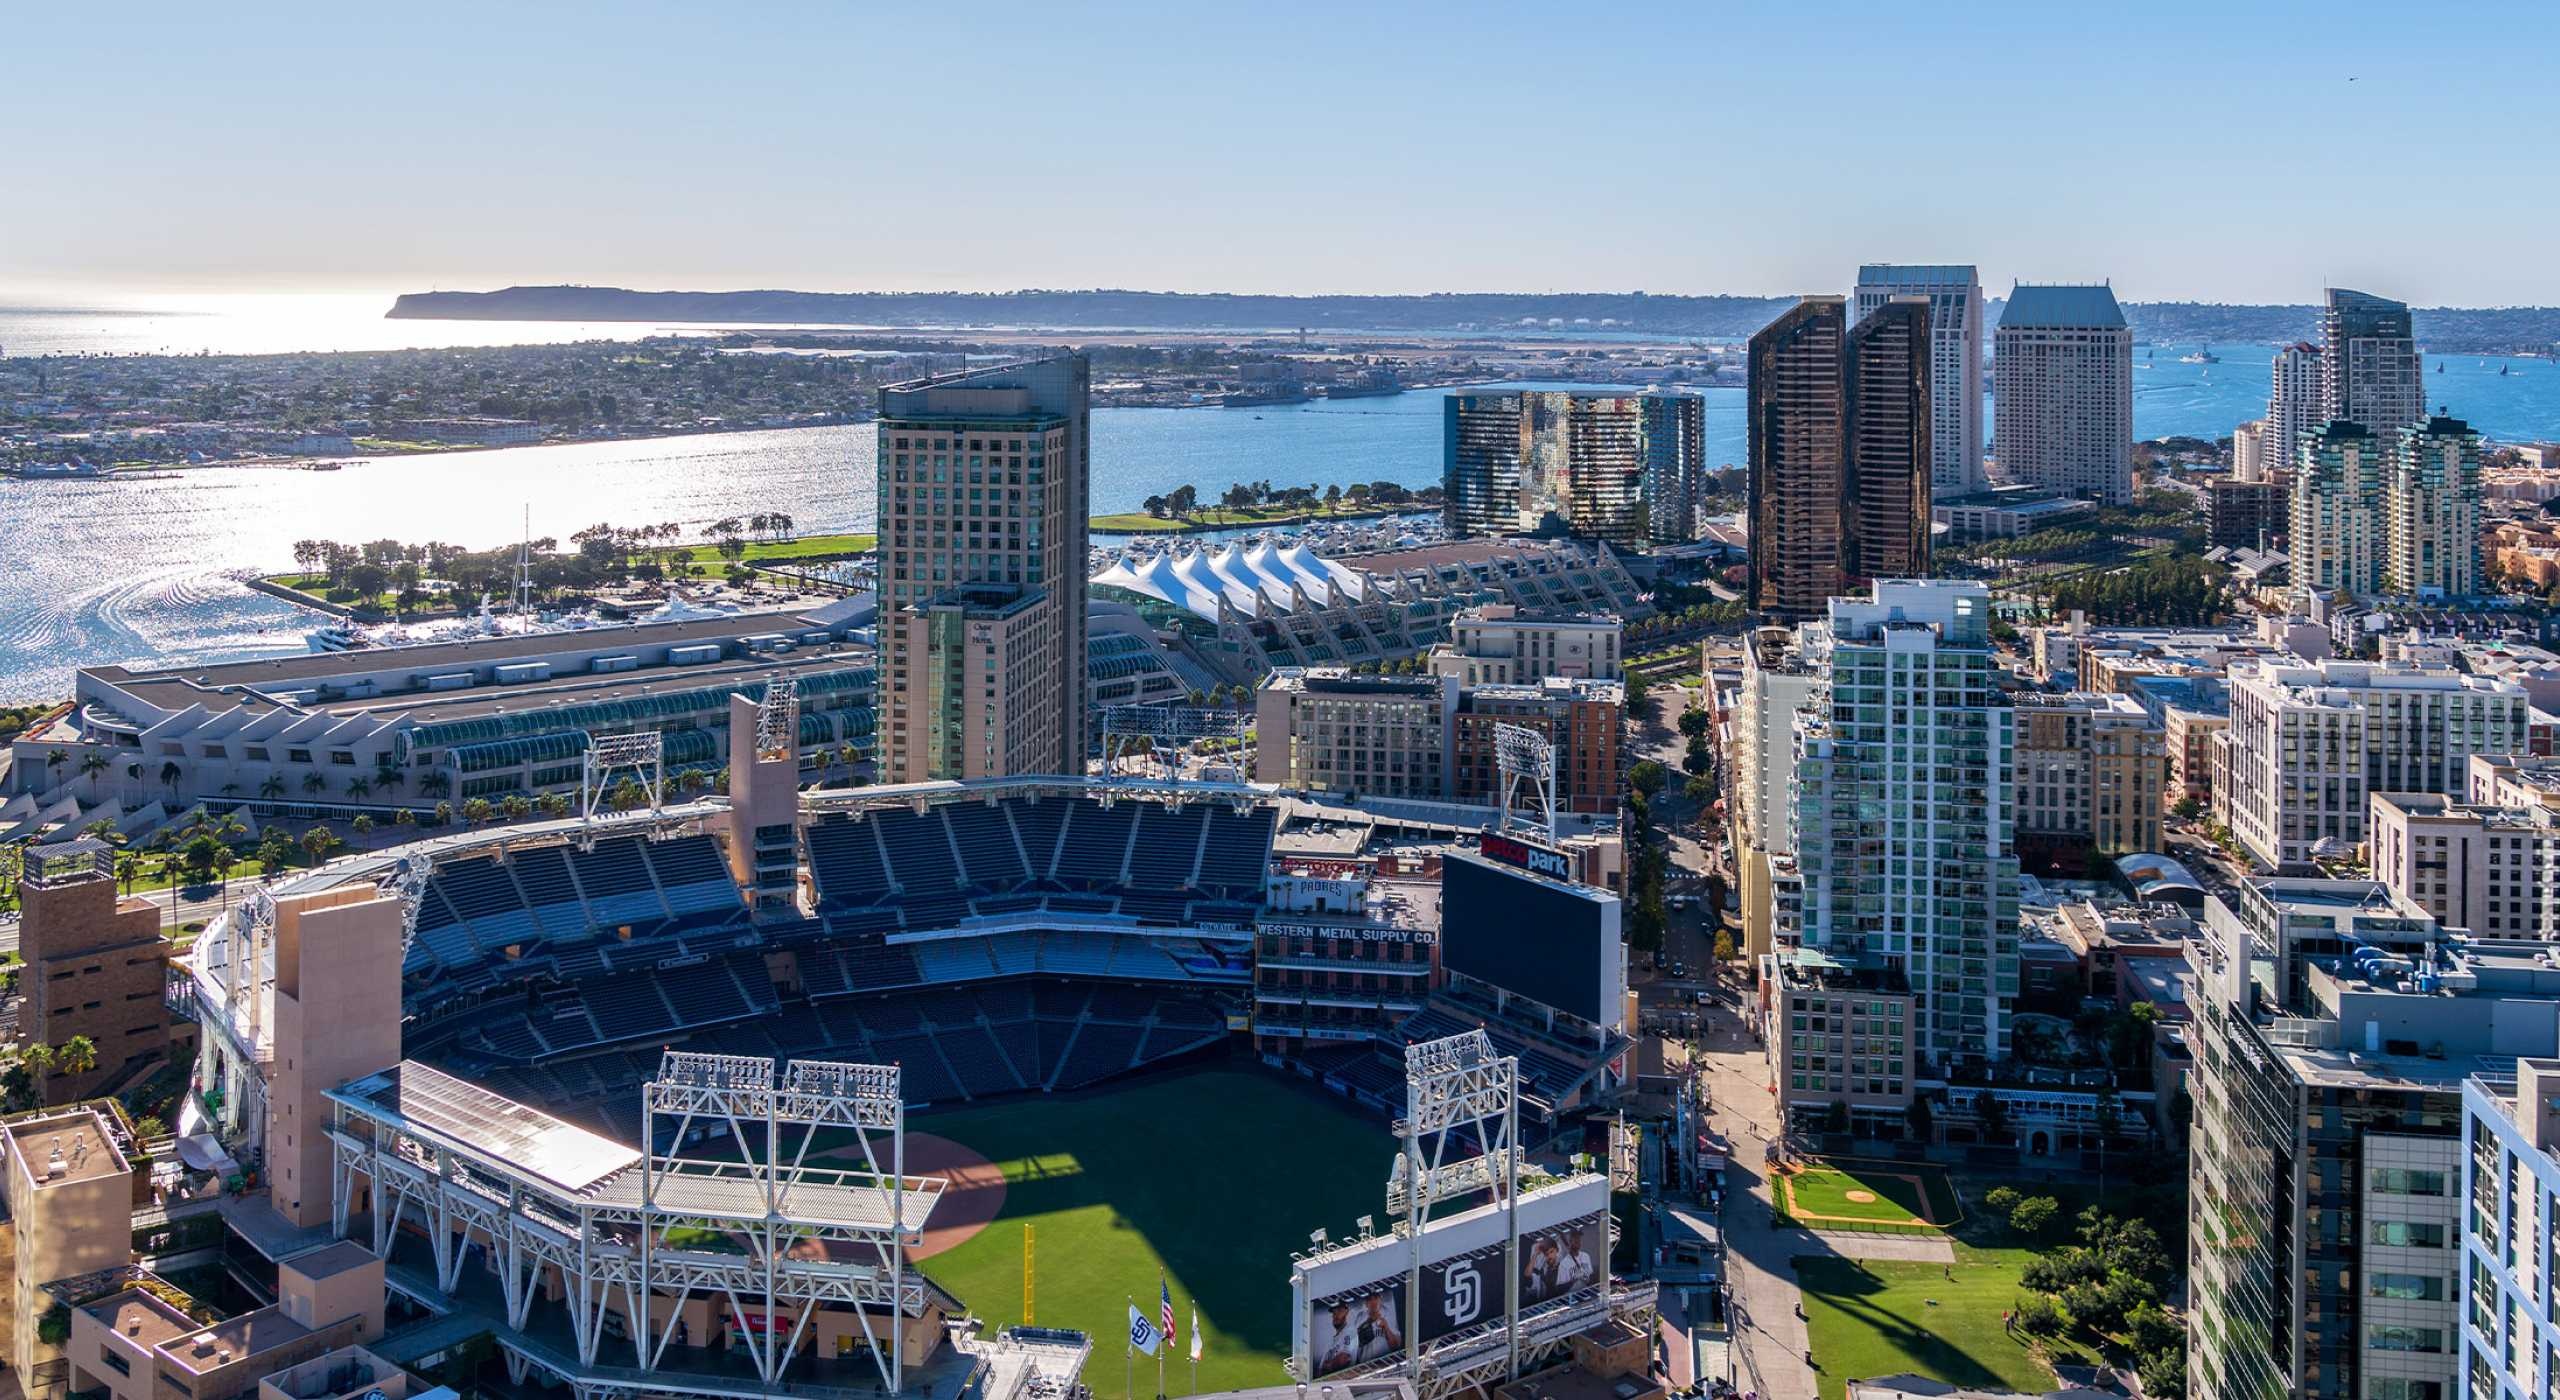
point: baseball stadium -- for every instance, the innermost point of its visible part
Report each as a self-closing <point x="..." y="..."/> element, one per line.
<point x="1004" y="1058"/>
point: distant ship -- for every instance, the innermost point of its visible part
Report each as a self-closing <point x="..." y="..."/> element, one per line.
<point x="1376" y="384"/>
<point x="1257" y="398"/>
<point x="75" y="469"/>
<point x="2439" y="366"/>
<point x="2204" y="356"/>
<point x="2503" y="370"/>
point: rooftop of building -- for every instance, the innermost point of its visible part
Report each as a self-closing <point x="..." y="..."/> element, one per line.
<point x="1917" y="274"/>
<point x="2437" y="806"/>
<point x="2333" y="682"/>
<point x="2054" y="306"/>
<point x="65" y="1148"/>
<point x="1534" y="617"/>
<point x="140" y="1318"/>
<point x="2091" y="926"/>
<point x="1340" y="680"/>
<point x="1549" y="688"/>
<point x="1570" y="1380"/>
<point x="332" y="1260"/>
<point x="233" y="1340"/>
<point x="1812" y="969"/>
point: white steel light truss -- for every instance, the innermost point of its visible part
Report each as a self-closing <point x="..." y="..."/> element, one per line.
<point x="1457" y="1088"/>
<point x="246" y="957"/>
<point x="801" y="1236"/>
<point x="642" y="757"/>
<point x="778" y="719"/>
<point x="1129" y="730"/>
<point x="1524" y="756"/>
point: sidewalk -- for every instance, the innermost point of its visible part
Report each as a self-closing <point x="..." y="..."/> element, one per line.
<point x="1768" y="1337"/>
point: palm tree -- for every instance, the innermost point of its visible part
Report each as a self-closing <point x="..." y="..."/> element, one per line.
<point x="313" y="782"/>
<point x="78" y="1056"/>
<point x="128" y="869"/>
<point x="92" y="763"/>
<point x="358" y="788"/>
<point x="273" y="787"/>
<point x="170" y="772"/>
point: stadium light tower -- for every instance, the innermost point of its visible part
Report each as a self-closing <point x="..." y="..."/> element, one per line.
<point x="1525" y="756"/>
<point x="1458" y="1091"/>
<point x="1162" y="727"/>
<point x="778" y="718"/>
<point x="641" y="756"/>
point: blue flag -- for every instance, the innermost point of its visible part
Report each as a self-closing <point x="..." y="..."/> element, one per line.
<point x="1142" y="1333"/>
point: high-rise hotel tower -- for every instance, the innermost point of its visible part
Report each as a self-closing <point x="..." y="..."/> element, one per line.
<point x="984" y="480"/>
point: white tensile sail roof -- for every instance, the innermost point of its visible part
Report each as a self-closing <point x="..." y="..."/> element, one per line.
<point x="1251" y="581"/>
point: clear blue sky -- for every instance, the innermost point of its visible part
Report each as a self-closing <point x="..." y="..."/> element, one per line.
<point x="2187" y="151"/>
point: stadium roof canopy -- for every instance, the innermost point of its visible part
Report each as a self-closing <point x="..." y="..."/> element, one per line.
<point x="1264" y="578"/>
<point x="436" y="1103"/>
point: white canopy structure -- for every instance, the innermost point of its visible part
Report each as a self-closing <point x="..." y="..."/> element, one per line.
<point x="1263" y="578"/>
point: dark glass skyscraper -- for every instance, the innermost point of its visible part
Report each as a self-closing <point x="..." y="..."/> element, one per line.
<point x="1840" y="452"/>
<point x="1887" y="482"/>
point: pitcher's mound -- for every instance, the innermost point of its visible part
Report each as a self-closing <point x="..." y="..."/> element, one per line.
<point x="974" y="1198"/>
<point x="1862" y="1198"/>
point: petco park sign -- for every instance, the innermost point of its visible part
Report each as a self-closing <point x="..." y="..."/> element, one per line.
<point x="1537" y="860"/>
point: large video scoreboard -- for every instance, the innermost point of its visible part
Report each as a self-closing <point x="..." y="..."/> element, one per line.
<point x="1516" y="922"/>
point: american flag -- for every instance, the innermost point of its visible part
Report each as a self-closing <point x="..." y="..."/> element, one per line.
<point x="1164" y="1311"/>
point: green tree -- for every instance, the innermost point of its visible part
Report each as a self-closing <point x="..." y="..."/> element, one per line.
<point x="475" y="811"/>
<point x="2000" y="1200"/>
<point x="318" y="842"/>
<point x="1647" y="778"/>
<point x="2034" y="1216"/>
<point x="78" y="1056"/>
<point x="1725" y="950"/>
<point x="1694" y="722"/>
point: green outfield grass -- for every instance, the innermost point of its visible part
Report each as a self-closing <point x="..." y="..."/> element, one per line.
<point x="1212" y="1177"/>
<point x="1882" y="1193"/>
<point x="1878" y="1318"/>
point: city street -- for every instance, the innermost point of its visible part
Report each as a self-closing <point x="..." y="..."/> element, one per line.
<point x="1768" y="1338"/>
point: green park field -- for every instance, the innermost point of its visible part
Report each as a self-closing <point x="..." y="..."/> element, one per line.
<point x="1210" y="1178"/>
<point x="1868" y="1318"/>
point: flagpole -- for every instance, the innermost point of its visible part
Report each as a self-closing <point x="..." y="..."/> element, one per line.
<point x="1129" y="1385"/>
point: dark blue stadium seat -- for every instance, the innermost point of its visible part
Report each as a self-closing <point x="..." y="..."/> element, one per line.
<point x="845" y="864"/>
<point x="1168" y="847"/>
<point x="1238" y="858"/>
<point x="616" y="880"/>
<point x="988" y="855"/>
<point x="1039" y="824"/>
<point x="1096" y="848"/>
<point x="919" y="851"/>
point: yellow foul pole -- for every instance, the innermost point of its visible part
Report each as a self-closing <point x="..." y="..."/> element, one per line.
<point x="1026" y="1273"/>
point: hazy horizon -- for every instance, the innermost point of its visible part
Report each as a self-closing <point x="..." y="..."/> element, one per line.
<point x="2183" y="151"/>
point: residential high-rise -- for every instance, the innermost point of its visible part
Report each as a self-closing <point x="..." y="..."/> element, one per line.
<point x="984" y="486"/>
<point x="1954" y="293"/>
<point x="1799" y="411"/>
<point x="2431" y="512"/>
<point x="2369" y="368"/>
<point x="1840" y="452"/>
<point x="2394" y="512"/>
<point x="2062" y="380"/>
<point x="2249" y="451"/>
<point x="2332" y="1193"/>
<point x="2336" y="535"/>
<point x="1887" y="476"/>
<point x="2472" y="865"/>
<point x="2508" y="1306"/>
<point x="1623" y="468"/>
<point x="1902" y="819"/>
<point x="2309" y="743"/>
<point x="1776" y="686"/>
<point x="2295" y="404"/>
